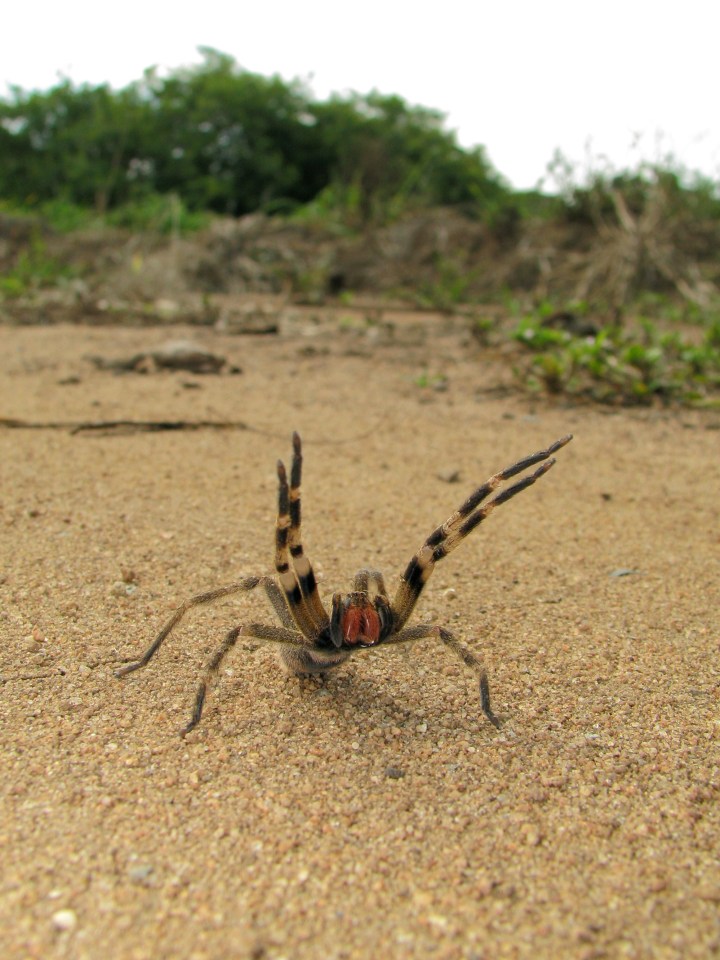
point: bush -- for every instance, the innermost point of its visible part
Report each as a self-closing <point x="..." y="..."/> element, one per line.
<point x="621" y="366"/>
<point x="232" y="142"/>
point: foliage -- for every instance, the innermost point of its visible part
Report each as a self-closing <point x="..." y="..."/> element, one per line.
<point x="34" y="268"/>
<point x="654" y="229"/>
<point x="157" y="213"/>
<point x="69" y="144"/>
<point x="58" y="215"/>
<point x="597" y="200"/>
<point x="618" y="365"/>
<point x="387" y="156"/>
<point x="431" y="381"/>
<point x="449" y="287"/>
<point x="229" y="141"/>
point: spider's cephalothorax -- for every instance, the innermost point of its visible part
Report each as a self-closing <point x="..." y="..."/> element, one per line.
<point x="313" y="641"/>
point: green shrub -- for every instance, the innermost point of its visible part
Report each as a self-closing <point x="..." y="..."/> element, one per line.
<point x="34" y="269"/>
<point x="618" y="365"/>
<point x="156" y="213"/>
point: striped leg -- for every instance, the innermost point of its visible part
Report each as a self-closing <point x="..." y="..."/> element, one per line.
<point x="249" y="583"/>
<point x="460" y="650"/>
<point x="259" y="631"/>
<point x="447" y="536"/>
<point x="298" y="581"/>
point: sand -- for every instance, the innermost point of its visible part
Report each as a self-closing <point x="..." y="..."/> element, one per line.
<point x="375" y="812"/>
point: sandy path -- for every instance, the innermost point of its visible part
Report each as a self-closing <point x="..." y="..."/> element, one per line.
<point x="375" y="813"/>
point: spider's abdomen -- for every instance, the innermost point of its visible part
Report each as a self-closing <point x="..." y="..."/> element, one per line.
<point x="300" y="662"/>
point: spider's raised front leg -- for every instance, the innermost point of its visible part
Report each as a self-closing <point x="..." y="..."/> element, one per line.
<point x="295" y="572"/>
<point x="446" y="537"/>
<point x="300" y="661"/>
<point x="248" y="583"/>
<point x="421" y="631"/>
<point x="297" y="577"/>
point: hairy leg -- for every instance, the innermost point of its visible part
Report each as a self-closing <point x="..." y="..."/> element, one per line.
<point x="259" y="631"/>
<point x="421" y="631"/>
<point x="448" y="535"/>
<point x="294" y="570"/>
<point x="249" y="583"/>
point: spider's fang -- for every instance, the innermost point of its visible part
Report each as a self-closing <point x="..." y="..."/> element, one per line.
<point x="361" y="625"/>
<point x="358" y="622"/>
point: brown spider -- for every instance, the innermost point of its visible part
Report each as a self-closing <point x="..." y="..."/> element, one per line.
<point x="314" y="642"/>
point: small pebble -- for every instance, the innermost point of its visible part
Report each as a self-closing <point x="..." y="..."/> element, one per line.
<point x="140" y="872"/>
<point x="64" y="919"/>
<point x="531" y="835"/>
<point x="122" y="589"/>
<point x="34" y="643"/>
<point x="449" y="476"/>
<point x="394" y="773"/>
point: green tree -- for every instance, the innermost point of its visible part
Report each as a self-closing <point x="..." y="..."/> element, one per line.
<point x="230" y="141"/>
<point x="396" y="155"/>
<point x="71" y="143"/>
<point x="225" y="139"/>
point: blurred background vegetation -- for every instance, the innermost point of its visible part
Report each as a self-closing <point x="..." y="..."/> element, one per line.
<point x="231" y="142"/>
<point x="366" y="193"/>
<point x="221" y="140"/>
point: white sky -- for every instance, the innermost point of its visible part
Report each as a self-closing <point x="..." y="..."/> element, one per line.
<point x="611" y="81"/>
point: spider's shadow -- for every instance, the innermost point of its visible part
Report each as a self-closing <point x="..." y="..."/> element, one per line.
<point x="352" y="695"/>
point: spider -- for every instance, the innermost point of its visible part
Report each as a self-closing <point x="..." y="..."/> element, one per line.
<point x="313" y="641"/>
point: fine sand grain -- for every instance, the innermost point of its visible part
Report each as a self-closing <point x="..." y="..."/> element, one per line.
<point x="373" y="813"/>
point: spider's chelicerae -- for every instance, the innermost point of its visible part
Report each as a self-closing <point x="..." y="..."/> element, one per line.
<point x="314" y="641"/>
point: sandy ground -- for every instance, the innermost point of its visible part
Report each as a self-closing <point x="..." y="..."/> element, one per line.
<point x="374" y="813"/>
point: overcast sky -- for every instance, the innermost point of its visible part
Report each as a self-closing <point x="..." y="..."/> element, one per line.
<point x="602" y="82"/>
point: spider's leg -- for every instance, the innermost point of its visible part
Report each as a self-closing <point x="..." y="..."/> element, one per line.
<point x="249" y="583"/>
<point x="446" y="537"/>
<point x="277" y="599"/>
<point x="259" y="631"/>
<point x="363" y="578"/>
<point x="296" y="574"/>
<point x="303" y="567"/>
<point x="297" y="662"/>
<point x="421" y="631"/>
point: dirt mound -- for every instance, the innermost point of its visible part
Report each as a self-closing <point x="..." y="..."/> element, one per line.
<point x="436" y="258"/>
